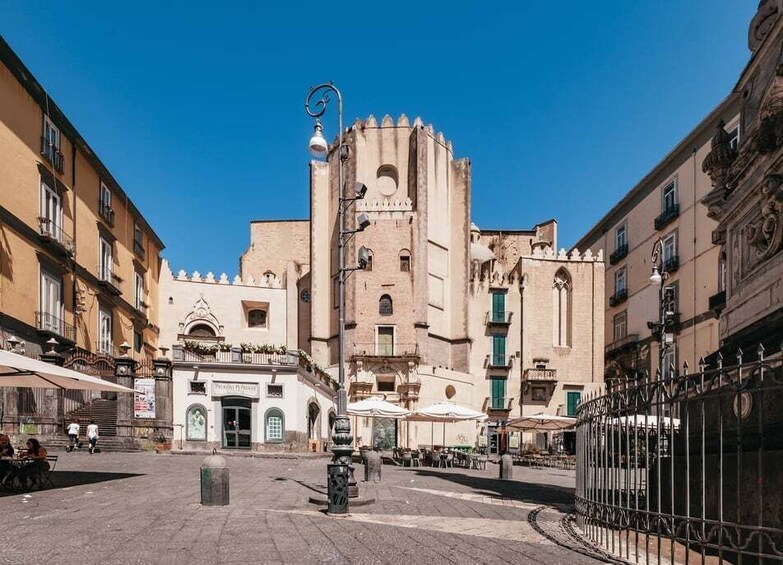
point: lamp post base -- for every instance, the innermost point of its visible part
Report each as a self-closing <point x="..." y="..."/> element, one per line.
<point x="342" y="450"/>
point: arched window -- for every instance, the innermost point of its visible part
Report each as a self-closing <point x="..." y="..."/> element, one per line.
<point x="313" y="421"/>
<point x="405" y="261"/>
<point x="256" y="318"/>
<point x="202" y="330"/>
<point x="368" y="267"/>
<point x="274" y="425"/>
<point x="385" y="306"/>
<point x="561" y="309"/>
<point x="196" y="423"/>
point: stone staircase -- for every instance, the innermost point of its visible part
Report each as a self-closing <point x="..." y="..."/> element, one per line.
<point x="104" y="412"/>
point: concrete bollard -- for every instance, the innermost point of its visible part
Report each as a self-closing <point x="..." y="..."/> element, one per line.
<point x="372" y="467"/>
<point x="506" y="467"/>
<point x="214" y="481"/>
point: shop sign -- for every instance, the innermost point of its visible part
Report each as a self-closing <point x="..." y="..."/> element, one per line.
<point x="248" y="390"/>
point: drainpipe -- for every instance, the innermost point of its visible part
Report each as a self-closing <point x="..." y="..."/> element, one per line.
<point x="695" y="231"/>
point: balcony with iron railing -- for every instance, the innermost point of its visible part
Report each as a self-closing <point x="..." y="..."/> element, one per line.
<point x="138" y="248"/>
<point x="110" y="282"/>
<point x="234" y="356"/>
<point x="498" y="319"/>
<point x="667" y="216"/>
<point x="619" y="345"/>
<point x="49" y="324"/>
<point x="107" y="213"/>
<point x="718" y="302"/>
<point x="671" y="264"/>
<point x="539" y="375"/>
<point x="52" y="153"/>
<point x="618" y="297"/>
<point x="618" y="254"/>
<point x="54" y="235"/>
<point x="359" y="350"/>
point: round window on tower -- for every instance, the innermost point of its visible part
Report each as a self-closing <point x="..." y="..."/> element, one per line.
<point x="387" y="180"/>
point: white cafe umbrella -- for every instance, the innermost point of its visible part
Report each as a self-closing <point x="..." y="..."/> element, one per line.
<point x="446" y="412"/>
<point x="19" y="371"/>
<point x="542" y="423"/>
<point x="376" y="407"/>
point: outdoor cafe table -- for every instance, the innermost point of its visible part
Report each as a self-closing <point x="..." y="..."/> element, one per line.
<point x="10" y="467"/>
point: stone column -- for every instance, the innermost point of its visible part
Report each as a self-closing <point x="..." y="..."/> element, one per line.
<point x="52" y="410"/>
<point x="125" y="369"/>
<point x="164" y="414"/>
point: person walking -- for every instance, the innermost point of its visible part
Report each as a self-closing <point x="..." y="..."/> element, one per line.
<point x="92" y="435"/>
<point x="73" y="435"/>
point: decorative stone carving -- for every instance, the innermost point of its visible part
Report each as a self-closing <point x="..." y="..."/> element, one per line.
<point x="764" y="235"/>
<point x="767" y="14"/>
<point x="720" y="157"/>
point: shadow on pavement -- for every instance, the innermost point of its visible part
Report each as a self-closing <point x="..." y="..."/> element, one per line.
<point x="524" y="492"/>
<point x="63" y="479"/>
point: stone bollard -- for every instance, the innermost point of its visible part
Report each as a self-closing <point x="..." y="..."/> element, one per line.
<point x="214" y="481"/>
<point x="372" y="467"/>
<point x="506" y="467"/>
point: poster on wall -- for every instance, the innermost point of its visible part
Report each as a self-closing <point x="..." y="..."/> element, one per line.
<point x="144" y="398"/>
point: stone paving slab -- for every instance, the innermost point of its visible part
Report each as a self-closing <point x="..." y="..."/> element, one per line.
<point x="143" y="508"/>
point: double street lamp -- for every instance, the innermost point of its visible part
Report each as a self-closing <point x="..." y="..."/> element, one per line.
<point x="663" y="329"/>
<point x="340" y="481"/>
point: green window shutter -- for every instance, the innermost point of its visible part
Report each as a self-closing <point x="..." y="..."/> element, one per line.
<point x="572" y="401"/>
<point x="498" y="306"/>
<point x="498" y="398"/>
<point x="499" y="350"/>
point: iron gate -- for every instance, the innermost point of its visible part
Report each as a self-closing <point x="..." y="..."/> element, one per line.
<point x="687" y="469"/>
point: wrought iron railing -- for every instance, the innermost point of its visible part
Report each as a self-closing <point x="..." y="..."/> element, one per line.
<point x="52" y="154"/>
<point x="107" y="213"/>
<point x="618" y="254"/>
<point x="687" y="469"/>
<point x="623" y="343"/>
<point x="618" y="297"/>
<point x="46" y="322"/>
<point x="233" y="356"/>
<point x="667" y="216"/>
<point x="370" y="349"/>
<point x="50" y="231"/>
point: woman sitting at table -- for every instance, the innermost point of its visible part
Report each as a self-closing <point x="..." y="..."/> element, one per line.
<point x="36" y="454"/>
<point x="6" y="468"/>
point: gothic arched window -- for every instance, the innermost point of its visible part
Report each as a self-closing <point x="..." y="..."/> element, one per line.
<point x="201" y="330"/>
<point x="385" y="306"/>
<point x="561" y="309"/>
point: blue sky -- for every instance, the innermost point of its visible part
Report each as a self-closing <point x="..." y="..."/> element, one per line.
<point x="197" y="108"/>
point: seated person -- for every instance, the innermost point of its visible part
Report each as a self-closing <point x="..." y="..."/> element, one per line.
<point x="6" y="468"/>
<point x="37" y="453"/>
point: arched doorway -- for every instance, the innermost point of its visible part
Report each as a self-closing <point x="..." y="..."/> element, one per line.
<point x="237" y="423"/>
<point x="313" y="421"/>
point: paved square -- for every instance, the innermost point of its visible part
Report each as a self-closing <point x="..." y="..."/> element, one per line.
<point x="144" y="508"/>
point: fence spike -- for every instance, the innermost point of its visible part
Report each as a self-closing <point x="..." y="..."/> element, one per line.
<point x="685" y="367"/>
<point x="702" y="364"/>
<point x="719" y="357"/>
<point x="739" y="356"/>
<point x="760" y="352"/>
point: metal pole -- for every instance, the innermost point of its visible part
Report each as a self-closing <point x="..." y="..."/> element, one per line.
<point x="342" y="440"/>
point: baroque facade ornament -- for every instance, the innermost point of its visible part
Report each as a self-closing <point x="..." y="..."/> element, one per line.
<point x="764" y="235"/>
<point x="766" y="15"/>
<point x="720" y="157"/>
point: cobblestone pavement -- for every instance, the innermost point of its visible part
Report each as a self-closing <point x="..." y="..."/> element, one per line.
<point x="144" y="508"/>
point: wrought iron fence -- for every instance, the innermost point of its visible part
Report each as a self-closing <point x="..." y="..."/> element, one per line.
<point x="687" y="469"/>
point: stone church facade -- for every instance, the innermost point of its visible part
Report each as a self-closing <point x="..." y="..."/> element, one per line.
<point x="496" y="319"/>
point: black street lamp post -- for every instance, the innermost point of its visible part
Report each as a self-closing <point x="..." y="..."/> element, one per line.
<point x="340" y="482"/>
<point x="663" y="328"/>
